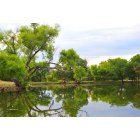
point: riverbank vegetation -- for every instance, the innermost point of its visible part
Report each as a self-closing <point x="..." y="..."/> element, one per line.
<point x="26" y="55"/>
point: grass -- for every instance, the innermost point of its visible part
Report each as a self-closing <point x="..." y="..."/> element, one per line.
<point x="105" y="82"/>
<point x="11" y="84"/>
<point x="6" y="84"/>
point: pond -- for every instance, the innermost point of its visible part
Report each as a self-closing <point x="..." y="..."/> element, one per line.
<point x="72" y="101"/>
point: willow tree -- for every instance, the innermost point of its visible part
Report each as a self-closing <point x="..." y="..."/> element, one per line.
<point x="37" y="39"/>
<point x="72" y="64"/>
<point x="31" y="42"/>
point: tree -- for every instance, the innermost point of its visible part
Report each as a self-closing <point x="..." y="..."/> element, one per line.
<point x="131" y="73"/>
<point x="135" y="66"/>
<point x="71" y="64"/>
<point x="79" y="73"/>
<point x="68" y="59"/>
<point x="135" y="60"/>
<point x="39" y="74"/>
<point x="37" y="39"/>
<point x="119" y="68"/>
<point x="104" y="71"/>
<point x="11" y="67"/>
<point x="9" y="40"/>
<point x="29" y="42"/>
<point x="94" y="71"/>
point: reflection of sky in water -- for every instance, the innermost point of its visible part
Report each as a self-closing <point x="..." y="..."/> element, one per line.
<point x="96" y="101"/>
<point x="55" y="103"/>
<point x="106" y="110"/>
<point x="98" y="109"/>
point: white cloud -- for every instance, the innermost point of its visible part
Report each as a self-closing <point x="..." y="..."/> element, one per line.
<point x="97" y="60"/>
<point x="99" y="35"/>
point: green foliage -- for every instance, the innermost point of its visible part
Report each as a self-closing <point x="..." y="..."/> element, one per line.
<point x="11" y="66"/>
<point x="104" y="72"/>
<point x="119" y="68"/>
<point x="131" y="74"/>
<point x="29" y="41"/>
<point x="34" y="39"/>
<point x="73" y="66"/>
<point x="40" y="72"/>
<point x="112" y="69"/>
<point x="79" y="73"/>
<point x="9" y="40"/>
<point x="69" y="59"/>
<point x="135" y="66"/>
<point x="26" y="44"/>
<point x="135" y="60"/>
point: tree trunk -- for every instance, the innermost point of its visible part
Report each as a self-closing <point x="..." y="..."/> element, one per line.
<point x="17" y="83"/>
<point x="122" y="80"/>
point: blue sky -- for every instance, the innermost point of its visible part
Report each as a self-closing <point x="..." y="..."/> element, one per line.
<point x="96" y="29"/>
<point x="99" y="45"/>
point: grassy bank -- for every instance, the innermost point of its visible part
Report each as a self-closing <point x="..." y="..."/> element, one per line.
<point x="106" y="82"/>
<point x="6" y="84"/>
<point x="11" y="84"/>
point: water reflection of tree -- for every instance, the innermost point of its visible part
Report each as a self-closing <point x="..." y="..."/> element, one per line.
<point x="71" y="99"/>
<point x="117" y="95"/>
<point x="29" y="102"/>
<point x="25" y="104"/>
<point x="11" y="105"/>
<point x="113" y="95"/>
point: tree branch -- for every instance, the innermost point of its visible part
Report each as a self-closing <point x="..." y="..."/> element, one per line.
<point x="30" y="58"/>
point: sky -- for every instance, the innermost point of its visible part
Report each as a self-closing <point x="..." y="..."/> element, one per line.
<point x="96" y="29"/>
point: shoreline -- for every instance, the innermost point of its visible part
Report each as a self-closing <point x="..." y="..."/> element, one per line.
<point x="10" y="86"/>
<point x="84" y="82"/>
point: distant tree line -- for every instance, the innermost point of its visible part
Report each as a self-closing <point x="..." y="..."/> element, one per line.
<point x="74" y="68"/>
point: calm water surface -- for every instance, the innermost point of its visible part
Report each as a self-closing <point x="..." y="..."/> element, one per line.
<point x="71" y="101"/>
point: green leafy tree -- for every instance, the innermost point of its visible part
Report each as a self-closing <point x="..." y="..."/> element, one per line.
<point x="71" y="63"/>
<point x="11" y="67"/>
<point x="79" y="73"/>
<point x="39" y="74"/>
<point x="36" y="39"/>
<point x="68" y="59"/>
<point x="119" y="68"/>
<point x="104" y="71"/>
<point x="10" y="42"/>
<point x="131" y="73"/>
<point x="94" y="71"/>
<point x="135" y="66"/>
<point x="30" y="41"/>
